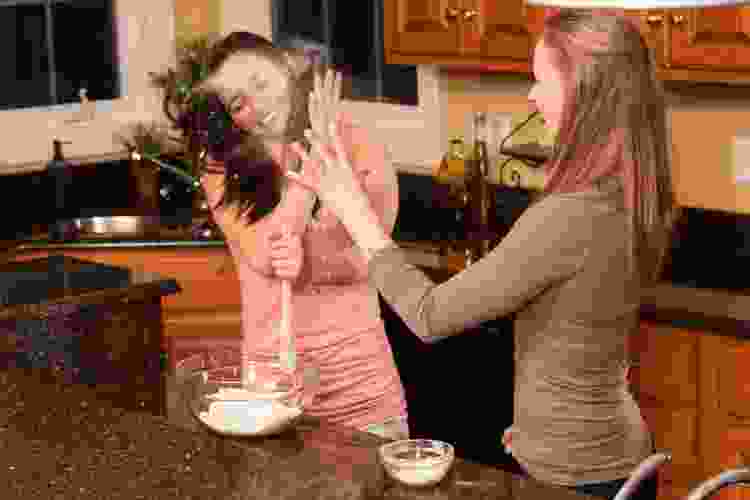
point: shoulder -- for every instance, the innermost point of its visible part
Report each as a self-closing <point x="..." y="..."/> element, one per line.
<point x="563" y="219"/>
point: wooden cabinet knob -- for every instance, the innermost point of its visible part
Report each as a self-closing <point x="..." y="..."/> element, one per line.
<point x="451" y="13"/>
<point x="654" y="20"/>
<point x="678" y="19"/>
<point x="470" y="14"/>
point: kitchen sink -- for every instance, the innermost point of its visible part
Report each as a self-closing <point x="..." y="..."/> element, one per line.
<point x="115" y="227"/>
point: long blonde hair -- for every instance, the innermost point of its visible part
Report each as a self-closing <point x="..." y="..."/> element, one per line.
<point x="613" y="125"/>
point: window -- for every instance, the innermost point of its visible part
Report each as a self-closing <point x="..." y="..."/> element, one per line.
<point x="413" y="133"/>
<point x="54" y="48"/>
<point x="144" y="42"/>
<point x="350" y="35"/>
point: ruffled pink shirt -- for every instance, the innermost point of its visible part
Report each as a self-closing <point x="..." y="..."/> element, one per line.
<point x="336" y="314"/>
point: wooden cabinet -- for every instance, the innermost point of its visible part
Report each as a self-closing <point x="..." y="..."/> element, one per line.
<point x="209" y="303"/>
<point x="707" y="44"/>
<point x="665" y="383"/>
<point x="421" y="28"/>
<point x="726" y="416"/>
<point x="693" y="388"/>
<point x="461" y="33"/>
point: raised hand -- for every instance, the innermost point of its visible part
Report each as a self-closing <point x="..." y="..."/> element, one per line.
<point x="323" y="104"/>
<point x="327" y="171"/>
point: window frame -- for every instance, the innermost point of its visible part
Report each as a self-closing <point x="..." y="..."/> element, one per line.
<point x="145" y="43"/>
<point x="52" y="91"/>
<point x="414" y="135"/>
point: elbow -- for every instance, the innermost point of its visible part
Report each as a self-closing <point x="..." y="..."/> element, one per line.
<point x="432" y="339"/>
<point x="430" y="336"/>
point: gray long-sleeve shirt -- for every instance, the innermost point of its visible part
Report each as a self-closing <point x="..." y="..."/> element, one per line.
<point x="565" y="270"/>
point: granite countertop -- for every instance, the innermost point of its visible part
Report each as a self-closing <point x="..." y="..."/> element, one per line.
<point x="34" y="287"/>
<point x="725" y="312"/>
<point x="60" y="441"/>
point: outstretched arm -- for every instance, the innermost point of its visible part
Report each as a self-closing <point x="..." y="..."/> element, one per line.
<point x="378" y="180"/>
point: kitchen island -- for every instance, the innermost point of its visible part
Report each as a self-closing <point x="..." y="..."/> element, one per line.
<point x="86" y="323"/>
<point x="61" y="441"/>
<point x="690" y="357"/>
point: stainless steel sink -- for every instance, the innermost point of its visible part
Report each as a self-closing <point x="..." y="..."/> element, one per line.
<point x="117" y="226"/>
<point x="121" y="225"/>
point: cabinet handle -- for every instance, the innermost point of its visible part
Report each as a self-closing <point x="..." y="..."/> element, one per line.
<point x="451" y="13"/>
<point x="678" y="19"/>
<point x="222" y="268"/>
<point x="470" y="14"/>
<point x="654" y="20"/>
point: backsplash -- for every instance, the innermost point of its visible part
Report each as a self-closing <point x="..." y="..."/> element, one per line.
<point x="422" y="218"/>
<point x="102" y="190"/>
<point x="724" y="263"/>
<point x="711" y="248"/>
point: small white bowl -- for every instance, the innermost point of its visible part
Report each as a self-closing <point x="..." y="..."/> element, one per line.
<point x="417" y="462"/>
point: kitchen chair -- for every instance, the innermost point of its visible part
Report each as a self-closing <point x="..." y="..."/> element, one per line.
<point x="712" y="485"/>
<point x="645" y="470"/>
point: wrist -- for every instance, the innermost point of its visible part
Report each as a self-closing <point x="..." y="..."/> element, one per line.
<point x="365" y="229"/>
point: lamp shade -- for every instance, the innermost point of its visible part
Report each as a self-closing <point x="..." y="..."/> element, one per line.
<point x="634" y="4"/>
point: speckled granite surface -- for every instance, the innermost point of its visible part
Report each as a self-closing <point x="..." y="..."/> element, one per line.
<point x="59" y="441"/>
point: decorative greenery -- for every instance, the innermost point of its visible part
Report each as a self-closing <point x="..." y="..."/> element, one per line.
<point x="179" y="98"/>
<point x="148" y="139"/>
<point x="178" y="84"/>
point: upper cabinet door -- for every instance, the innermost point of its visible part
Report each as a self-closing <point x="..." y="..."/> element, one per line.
<point x="420" y="28"/>
<point x="716" y="38"/>
<point x="502" y="30"/>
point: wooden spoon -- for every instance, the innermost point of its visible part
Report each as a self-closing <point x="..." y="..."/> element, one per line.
<point x="287" y="350"/>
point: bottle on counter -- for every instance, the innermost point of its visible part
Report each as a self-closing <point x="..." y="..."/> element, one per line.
<point x="481" y="203"/>
<point x="452" y="164"/>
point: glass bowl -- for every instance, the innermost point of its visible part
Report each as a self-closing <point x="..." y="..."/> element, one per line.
<point x="417" y="462"/>
<point x="255" y="396"/>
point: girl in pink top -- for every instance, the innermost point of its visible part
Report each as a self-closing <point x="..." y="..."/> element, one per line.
<point x="336" y="311"/>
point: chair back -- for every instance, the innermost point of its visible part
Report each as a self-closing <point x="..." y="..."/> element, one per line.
<point x="712" y="485"/>
<point x="645" y="470"/>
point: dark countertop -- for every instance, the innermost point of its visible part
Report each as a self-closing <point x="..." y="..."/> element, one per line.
<point x="34" y="287"/>
<point x="724" y="312"/>
<point x="60" y="441"/>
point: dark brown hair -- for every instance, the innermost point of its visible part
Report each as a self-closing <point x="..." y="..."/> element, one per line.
<point x="253" y="180"/>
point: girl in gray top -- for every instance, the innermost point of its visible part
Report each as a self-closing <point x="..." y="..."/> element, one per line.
<point x="572" y="266"/>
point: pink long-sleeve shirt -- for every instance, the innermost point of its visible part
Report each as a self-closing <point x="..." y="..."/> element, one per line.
<point x="336" y="314"/>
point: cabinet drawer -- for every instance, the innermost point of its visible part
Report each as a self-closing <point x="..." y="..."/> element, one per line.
<point x="208" y="281"/>
<point x="203" y="324"/>
<point x="734" y="380"/>
<point x="668" y="363"/>
<point x="675" y="429"/>
<point x="206" y="275"/>
<point x="734" y="452"/>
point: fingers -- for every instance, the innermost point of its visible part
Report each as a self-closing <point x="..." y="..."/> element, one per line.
<point x="321" y="151"/>
<point x="337" y="88"/>
<point x="338" y="144"/>
<point x="316" y="85"/>
<point x="310" y="172"/>
<point x="286" y="255"/>
<point x="327" y="86"/>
